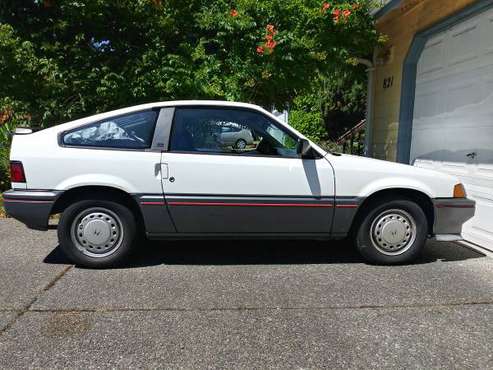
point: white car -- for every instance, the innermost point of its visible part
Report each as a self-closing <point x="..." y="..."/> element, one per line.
<point x="156" y="169"/>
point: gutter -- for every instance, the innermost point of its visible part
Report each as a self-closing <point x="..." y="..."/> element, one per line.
<point x="369" y="105"/>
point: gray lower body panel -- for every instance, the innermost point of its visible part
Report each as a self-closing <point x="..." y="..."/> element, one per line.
<point x="250" y="214"/>
<point x="450" y="215"/>
<point x="155" y="213"/>
<point x="229" y="216"/>
<point x="344" y="213"/>
<point x="33" y="208"/>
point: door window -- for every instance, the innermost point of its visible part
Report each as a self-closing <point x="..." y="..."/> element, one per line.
<point x="230" y="131"/>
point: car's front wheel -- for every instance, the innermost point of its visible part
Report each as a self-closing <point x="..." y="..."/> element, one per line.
<point x="392" y="231"/>
<point x="97" y="233"/>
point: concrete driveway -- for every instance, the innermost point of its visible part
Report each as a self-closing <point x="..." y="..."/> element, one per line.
<point x="256" y="304"/>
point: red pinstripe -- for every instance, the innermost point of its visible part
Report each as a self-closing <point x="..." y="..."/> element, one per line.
<point x="249" y="204"/>
<point x="236" y="204"/>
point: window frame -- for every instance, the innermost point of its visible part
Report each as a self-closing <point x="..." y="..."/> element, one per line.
<point x="230" y="108"/>
<point x="150" y="148"/>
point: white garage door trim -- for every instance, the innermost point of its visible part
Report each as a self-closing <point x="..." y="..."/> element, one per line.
<point x="410" y="69"/>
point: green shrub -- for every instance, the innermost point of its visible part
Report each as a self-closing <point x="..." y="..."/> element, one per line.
<point x="4" y="171"/>
<point x="309" y="124"/>
<point x="312" y="126"/>
<point x="12" y="115"/>
<point x="5" y="139"/>
<point x="4" y="168"/>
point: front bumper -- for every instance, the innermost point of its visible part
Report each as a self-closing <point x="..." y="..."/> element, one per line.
<point x="450" y="215"/>
<point x="30" y="207"/>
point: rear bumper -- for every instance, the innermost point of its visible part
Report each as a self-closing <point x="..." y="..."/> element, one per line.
<point x="450" y="215"/>
<point x="30" y="207"/>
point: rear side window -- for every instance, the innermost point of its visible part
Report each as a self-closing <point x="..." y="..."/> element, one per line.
<point x="131" y="131"/>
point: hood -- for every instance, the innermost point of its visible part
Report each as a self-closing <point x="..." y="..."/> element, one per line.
<point x="369" y="173"/>
<point x="394" y="167"/>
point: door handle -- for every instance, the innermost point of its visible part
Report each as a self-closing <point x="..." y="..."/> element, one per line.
<point x="471" y="155"/>
<point x="164" y="171"/>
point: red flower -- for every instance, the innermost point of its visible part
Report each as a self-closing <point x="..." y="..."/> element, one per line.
<point x="234" y="13"/>
<point x="346" y="13"/>
<point x="271" y="44"/>
<point x="336" y="13"/>
<point x="325" y="7"/>
<point x="271" y="29"/>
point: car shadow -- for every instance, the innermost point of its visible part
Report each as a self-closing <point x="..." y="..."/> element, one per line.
<point x="264" y="252"/>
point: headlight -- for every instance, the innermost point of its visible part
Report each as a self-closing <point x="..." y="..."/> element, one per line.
<point x="459" y="191"/>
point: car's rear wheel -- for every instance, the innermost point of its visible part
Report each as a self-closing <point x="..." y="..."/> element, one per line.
<point x="97" y="233"/>
<point x="392" y="232"/>
<point x="240" y="144"/>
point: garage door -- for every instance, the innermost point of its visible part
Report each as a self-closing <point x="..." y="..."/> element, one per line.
<point x="453" y="114"/>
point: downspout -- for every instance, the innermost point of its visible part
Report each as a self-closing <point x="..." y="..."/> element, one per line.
<point x="369" y="105"/>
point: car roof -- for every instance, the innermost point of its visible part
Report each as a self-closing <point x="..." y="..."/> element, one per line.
<point x="176" y="103"/>
<point x="173" y="103"/>
<point x="219" y="103"/>
<point x="180" y="103"/>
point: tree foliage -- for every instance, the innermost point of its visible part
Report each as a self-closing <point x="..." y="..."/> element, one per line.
<point x="338" y="98"/>
<point x="64" y="58"/>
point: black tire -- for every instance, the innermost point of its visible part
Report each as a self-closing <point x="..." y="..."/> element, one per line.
<point x="239" y="143"/>
<point x="71" y="241"/>
<point x="370" y="238"/>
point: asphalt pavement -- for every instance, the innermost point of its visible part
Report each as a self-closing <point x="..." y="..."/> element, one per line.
<point x="243" y="304"/>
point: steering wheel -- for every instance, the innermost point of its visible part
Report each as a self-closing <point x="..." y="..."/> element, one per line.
<point x="135" y="137"/>
<point x="265" y="146"/>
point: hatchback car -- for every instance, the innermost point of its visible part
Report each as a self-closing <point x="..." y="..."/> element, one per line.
<point x="157" y="169"/>
<point x="237" y="137"/>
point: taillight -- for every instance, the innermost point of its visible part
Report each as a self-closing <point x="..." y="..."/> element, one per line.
<point x="17" y="172"/>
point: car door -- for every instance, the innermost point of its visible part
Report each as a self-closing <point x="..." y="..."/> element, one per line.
<point x="267" y="188"/>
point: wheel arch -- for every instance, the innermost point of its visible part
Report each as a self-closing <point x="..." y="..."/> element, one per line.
<point x="419" y="197"/>
<point x="97" y="192"/>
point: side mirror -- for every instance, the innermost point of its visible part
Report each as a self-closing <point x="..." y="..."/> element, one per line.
<point x="304" y="149"/>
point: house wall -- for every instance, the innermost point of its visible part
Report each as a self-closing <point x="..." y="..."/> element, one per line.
<point x="400" y="25"/>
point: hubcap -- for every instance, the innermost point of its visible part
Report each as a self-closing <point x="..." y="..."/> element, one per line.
<point x="97" y="232"/>
<point x="241" y="144"/>
<point x="393" y="232"/>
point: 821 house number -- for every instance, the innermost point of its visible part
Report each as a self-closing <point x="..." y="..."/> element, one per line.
<point x="388" y="82"/>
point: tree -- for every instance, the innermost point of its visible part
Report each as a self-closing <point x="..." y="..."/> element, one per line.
<point x="63" y="59"/>
<point x="337" y="100"/>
